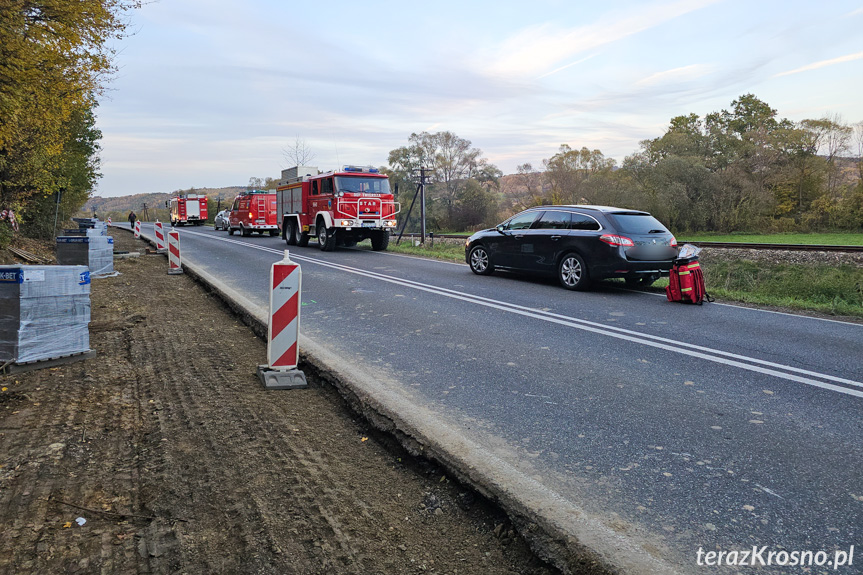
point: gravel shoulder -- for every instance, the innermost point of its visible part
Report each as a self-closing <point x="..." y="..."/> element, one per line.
<point x="179" y="461"/>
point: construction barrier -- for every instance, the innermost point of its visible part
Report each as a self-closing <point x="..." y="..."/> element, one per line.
<point x="160" y="237"/>
<point x="109" y="222"/>
<point x="174" y="264"/>
<point x="283" y="330"/>
<point x="137" y="229"/>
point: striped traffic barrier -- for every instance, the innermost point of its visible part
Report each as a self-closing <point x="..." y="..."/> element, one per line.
<point x="160" y="237"/>
<point x="283" y="329"/>
<point x="109" y="221"/>
<point x="174" y="265"/>
<point x="137" y="229"/>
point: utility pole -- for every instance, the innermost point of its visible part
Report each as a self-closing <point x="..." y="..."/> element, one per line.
<point x="144" y="212"/>
<point x="423" y="203"/>
<point x="422" y="195"/>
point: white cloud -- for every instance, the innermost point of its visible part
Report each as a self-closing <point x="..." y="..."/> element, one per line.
<point x="570" y="65"/>
<point x="538" y="48"/>
<point x="675" y="75"/>
<point x="822" y="64"/>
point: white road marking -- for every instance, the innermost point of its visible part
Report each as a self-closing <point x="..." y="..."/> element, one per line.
<point x="713" y="355"/>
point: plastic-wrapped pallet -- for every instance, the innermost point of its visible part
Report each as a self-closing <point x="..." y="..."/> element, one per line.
<point x="98" y="229"/>
<point x="95" y="252"/>
<point x="44" y="312"/>
<point x="85" y="222"/>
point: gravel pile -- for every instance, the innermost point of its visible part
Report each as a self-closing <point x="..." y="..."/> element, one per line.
<point x="709" y="255"/>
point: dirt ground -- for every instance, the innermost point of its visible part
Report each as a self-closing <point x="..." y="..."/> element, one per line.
<point x="173" y="459"/>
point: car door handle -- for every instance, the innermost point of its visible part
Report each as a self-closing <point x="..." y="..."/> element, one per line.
<point x="554" y="238"/>
<point x="519" y="236"/>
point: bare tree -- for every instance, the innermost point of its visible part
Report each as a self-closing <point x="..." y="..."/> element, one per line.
<point x="833" y="139"/>
<point x="299" y="154"/>
<point x="526" y="189"/>
<point x="255" y="183"/>
<point x="858" y="144"/>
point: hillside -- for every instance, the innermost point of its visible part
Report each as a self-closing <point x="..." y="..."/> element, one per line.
<point x="153" y="205"/>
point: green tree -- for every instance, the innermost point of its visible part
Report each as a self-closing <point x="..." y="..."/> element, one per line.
<point x="569" y="172"/>
<point x="54" y="60"/>
<point x="452" y="163"/>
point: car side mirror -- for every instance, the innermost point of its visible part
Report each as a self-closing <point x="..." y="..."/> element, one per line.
<point x="500" y="228"/>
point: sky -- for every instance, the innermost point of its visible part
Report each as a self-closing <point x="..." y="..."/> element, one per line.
<point x="210" y="93"/>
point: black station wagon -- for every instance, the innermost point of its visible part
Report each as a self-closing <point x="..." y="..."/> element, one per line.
<point x="578" y="244"/>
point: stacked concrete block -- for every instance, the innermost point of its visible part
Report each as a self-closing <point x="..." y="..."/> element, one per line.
<point x="95" y="252"/>
<point x="44" y="312"/>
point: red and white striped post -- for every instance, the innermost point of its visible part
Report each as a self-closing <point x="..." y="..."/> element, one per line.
<point x="174" y="263"/>
<point x="137" y="229"/>
<point x="283" y="329"/>
<point x="109" y="221"/>
<point x="160" y="237"/>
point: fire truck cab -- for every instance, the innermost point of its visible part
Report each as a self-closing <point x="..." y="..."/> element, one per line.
<point x="188" y="209"/>
<point x="341" y="207"/>
<point x="254" y="211"/>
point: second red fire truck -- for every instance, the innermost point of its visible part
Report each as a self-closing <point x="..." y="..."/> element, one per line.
<point x="188" y="209"/>
<point x="341" y="207"/>
<point x="254" y="211"/>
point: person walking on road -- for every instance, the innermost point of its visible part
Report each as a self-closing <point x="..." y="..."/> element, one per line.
<point x="132" y="218"/>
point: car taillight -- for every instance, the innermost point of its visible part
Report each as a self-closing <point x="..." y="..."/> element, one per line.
<point x="250" y="215"/>
<point x="615" y="240"/>
<point x="673" y="242"/>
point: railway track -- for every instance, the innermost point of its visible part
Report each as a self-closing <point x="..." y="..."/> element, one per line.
<point x="723" y="245"/>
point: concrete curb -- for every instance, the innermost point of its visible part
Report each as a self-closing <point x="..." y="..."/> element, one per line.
<point x="559" y="532"/>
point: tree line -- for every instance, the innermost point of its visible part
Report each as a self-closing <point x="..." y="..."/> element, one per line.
<point x="54" y="62"/>
<point x="740" y="169"/>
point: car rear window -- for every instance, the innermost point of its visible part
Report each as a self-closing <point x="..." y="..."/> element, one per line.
<point x="636" y="223"/>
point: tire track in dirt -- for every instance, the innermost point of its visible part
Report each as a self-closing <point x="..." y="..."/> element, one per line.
<point x="189" y="408"/>
<point x="170" y="426"/>
<point x="68" y="418"/>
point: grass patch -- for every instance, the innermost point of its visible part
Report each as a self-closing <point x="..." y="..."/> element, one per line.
<point x="446" y="251"/>
<point x="836" y="290"/>
<point x="837" y="239"/>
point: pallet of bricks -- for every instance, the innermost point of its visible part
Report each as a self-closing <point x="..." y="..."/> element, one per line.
<point x="44" y="314"/>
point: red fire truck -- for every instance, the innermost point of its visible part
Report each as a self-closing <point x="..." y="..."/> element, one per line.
<point x="188" y="209"/>
<point x="254" y="211"/>
<point x="341" y="207"/>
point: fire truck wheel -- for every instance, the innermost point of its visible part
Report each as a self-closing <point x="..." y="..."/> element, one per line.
<point x="290" y="233"/>
<point x="302" y="239"/>
<point x="326" y="240"/>
<point x="273" y="232"/>
<point x="246" y="233"/>
<point x="380" y="240"/>
<point x="230" y="231"/>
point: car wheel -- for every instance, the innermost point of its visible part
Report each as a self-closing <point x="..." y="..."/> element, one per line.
<point x="572" y="273"/>
<point x="480" y="263"/>
<point x="326" y="240"/>
<point x="230" y="231"/>
<point x="245" y="233"/>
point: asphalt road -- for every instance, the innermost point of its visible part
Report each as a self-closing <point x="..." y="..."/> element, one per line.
<point x="714" y="428"/>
